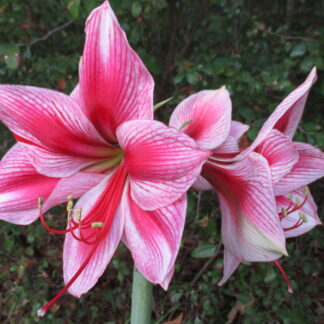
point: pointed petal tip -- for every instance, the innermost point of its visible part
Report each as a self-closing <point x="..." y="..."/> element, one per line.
<point x="284" y="252"/>
<point x="312" y="75"/>
<point x="290" y="290"/>
<point x="74" y="292"/>
<point x="164" y="285"/>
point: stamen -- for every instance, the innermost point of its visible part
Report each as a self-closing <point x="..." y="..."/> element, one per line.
<point x="48" y="228"/>
<point x="40" y="202"/>
<point x="306" y="191"/>
<point x="284" y="275"/>
<point x="284" y="212"/>
<point x="78" y="214"/>
<point x="69" y="207"/>
<point x="297" y="224"/>
<point x="94" y="227"/>
<point x="97" y="224"/>
<point x="297" y="202"/>
<point x="293" y="207"/>
<point x="303" y="217"/>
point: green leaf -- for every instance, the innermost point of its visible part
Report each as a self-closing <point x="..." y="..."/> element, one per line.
<point x="88" y="5"/>
<point x="307" y="64"/>
<point x="11" y="61"/>
<point x="192" y="77"/>
<point x="298" y="50"/>
<point x="204" y="250"/>
<point x="270" y="276"/>
<point x="160" y="104"/>
<point x="74" y="8"/>
<point x="8" y="49"/>
<point x="136" y="9"/>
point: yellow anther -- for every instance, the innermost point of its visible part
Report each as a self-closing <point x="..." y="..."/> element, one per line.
<point x="69" y="198"/>
<point x="297" y="202"/>
<point x="306" y="191"/>
<point x="78" y="214"/>
<point x="97" y="224"/>
<point x="69" y="207"/>
<point x="284" y="212"/>
<point x="40" y="202"/>
<point x="290" y="197"/>
<point x="303" y="217"/>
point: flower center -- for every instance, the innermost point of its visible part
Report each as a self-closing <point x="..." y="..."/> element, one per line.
<point x="92" y="228"/>
<point x="108" y="164"/>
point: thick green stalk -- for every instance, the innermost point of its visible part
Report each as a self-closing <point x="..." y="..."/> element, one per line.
<point x="141" y="311"/>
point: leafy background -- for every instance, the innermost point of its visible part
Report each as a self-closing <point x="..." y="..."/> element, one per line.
<point x="260" y="51"/>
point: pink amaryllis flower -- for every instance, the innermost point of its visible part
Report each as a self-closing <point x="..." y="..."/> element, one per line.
<point x="251" y="185"/>
<point x="100" y="143"/>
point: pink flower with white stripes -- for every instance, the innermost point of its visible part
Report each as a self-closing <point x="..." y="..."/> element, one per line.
<point x="261" y="188"/>
<point x="100" y="143"/>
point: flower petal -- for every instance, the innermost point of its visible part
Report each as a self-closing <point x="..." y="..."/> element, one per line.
<point x="251" y="228"/>
<point x="231" y="144"/>
<point x="309" y="209"/>
<point x="162" y="162"/>
<point x="114" y="83"/>
<point x="154" y="237"/>
<point x="20" y="188"/>
<point x="295" y="102"/>
<point x="309" y="167"/>
<point x="231" y="262"/>
<point x="286" y="116"/>
<point x="52" y="123"/>
<point x="208" y="114"/>
<point x="75" y="94"/>
<point x="202" y="184"/>
<point x="75" y="185"/>
<point x="238" y="129"/>
<point x="76" y="252"/>
<point x="55" y="165"/>
<point x="280" y="153"/>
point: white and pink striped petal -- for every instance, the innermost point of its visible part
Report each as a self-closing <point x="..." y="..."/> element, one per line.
<point x="115" y="86"/>
<point x="251" y="228"/>
<point x="308" y="168"/>
<point x="21" y="186"/>
<point x="301" y="216"/>
<point x="96" y="254"/>
<point x="280" y="153"/>
<point x="162" y="162"/>
<point x="286" y="116"/>
<point x="154" y="237"/>
<point x="205" y="116"/>
<point x="231" y="263"/>
<point x="51" y="123"/>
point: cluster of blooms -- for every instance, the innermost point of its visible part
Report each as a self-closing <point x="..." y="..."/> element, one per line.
<point x="132" y="173"/>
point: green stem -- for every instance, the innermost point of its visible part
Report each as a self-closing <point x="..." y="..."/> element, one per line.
<point x="141" y="299"/>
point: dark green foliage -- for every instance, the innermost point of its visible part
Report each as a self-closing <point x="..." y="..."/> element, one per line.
<point x="260" y="51"/>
